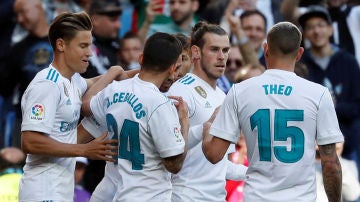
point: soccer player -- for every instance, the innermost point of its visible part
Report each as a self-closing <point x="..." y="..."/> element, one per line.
<point x="152" y="140"/>
<point x="282" y="116"/>
<point x="199" y="180"/>
<point x="51" y="110"/>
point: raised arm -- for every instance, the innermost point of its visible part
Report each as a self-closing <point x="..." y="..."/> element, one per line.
<point x="96" y="84"/>
<point x="214" y="148"/>
<point x="246" y="50"/>
<point x="152" y="10"/>
<point x="331" y="171"/>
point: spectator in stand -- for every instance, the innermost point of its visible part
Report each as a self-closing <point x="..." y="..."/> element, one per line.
<point x="344" y="16"/>
<point x="346" y="24"/>
<point x="269" y="8"/>
<point x="7" y="24"/>
<point x="80" y="194"/>
<point x="254" y="25"/>
<point x="105" y="16"/>
<point x="182" y="14"/>
<point x="26" y="58"/>
<point x="12" y="159"/>
<point x="337" y="70"/>
<point x="130" y="50"/>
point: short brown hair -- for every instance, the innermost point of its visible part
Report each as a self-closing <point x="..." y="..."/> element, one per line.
<point x="67" y="25"/>
<point x="284" y="39"/>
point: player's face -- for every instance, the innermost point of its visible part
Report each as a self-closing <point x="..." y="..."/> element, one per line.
<point x="318" y="32"/>
<point x="77" y="52"/>
<point x="214" y="54"/>
<point x="165" y="86"/>
<point x="255" y="30"/>
<point x="185" y="64"/>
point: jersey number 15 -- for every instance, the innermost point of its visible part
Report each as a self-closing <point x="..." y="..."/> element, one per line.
<point x="262" y="120"/>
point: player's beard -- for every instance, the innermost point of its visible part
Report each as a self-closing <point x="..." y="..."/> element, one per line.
<point x="208" y="73"/>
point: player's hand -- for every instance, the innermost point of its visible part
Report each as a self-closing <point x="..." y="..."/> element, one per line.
<point x="101" y="148"/>
<point x="181" y="106"/>
<point x="213" y="116"/>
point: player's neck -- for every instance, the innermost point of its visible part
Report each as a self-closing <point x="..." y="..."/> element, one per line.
<point x="201" y="74"/>
<point x="59" y="65"/>
<point x="157" y="78"/>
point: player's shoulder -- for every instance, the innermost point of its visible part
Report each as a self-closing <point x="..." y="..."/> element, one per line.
<point x="47" y="76"/>
<point x="188" y="80"/>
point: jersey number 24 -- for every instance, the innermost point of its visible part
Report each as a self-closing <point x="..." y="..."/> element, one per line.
<point x="129" y="142"/>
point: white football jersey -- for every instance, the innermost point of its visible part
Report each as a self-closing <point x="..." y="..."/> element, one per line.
<point x="282" y="116"/>
<point x="199" y="180"/>
<point x="106" y="189"/>
<point x="147" y="126"/>
<point x="51" y="105"/>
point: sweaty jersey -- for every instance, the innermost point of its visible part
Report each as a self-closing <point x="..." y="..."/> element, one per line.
<point x="199" y="180"/>
<point x="147" y="126"/>
<point x="51" y="106"/>
<point x="281" y="115"/>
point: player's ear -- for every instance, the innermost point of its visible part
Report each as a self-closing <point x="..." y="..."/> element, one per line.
<point x="60" y="44"/>
<point x="195" y="52"/>
<point x="299" y="54"/>
<point x="141" y="56"/>
<point x="266" y="49"/>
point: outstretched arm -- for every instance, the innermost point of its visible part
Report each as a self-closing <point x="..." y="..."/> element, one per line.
<point x="36" y="143"/>
<point x="331" y="171"/>
<point x="96" y="84"/>
<point x="214" y="148"/>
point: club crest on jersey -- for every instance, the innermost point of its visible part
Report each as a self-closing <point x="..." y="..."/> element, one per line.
<point x="37" y="112"/>
<point x="65" y="90"/>
<point x="201" y="91"/>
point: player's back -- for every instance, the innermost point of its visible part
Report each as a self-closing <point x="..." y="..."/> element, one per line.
<point x="147" y="126"/>
<point x="281" y="116"/>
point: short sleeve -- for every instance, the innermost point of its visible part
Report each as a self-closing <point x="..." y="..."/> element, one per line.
<point x="93" y="126"/>
<point x="167" y="136"/>
<point x="226" y="124"/>
<point x="98" y="105"/>
<point x="39" y="105"/>
<point x="328" y="130"/>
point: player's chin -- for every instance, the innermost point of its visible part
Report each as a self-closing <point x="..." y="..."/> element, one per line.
<point x="83" y="68"/>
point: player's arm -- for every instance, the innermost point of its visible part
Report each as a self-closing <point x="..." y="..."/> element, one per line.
<point x="83" y="136"/>
<point x="33" y="142"/>
<point x="98" y="83"/>
<point x="331" y="171"/>
<point x="174" y="164"/>
<point x="235" y="171"/>
<point x="214" y="148"/>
